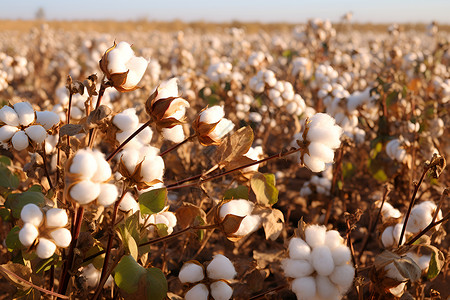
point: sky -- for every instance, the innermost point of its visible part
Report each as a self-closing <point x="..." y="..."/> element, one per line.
<point x="292" y="11"/>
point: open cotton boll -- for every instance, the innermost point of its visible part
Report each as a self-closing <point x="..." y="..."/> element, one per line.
<point x="61" y="237"/>
<point x="296" y="268"/>
<point x="343" y="277"/>
<point x="137" y="67"/>
<point x="313" y="163"/>
<point x="237" y="207"/>
<point x="6" y="132"/>
<point x="167" y="89"/>
<point x="220" y="290"/>
<point x="130" y="158"/>
<point x="221" y="129"/>
<point x="103" y="172"/>
<point x="421" y="216"/>
<point x="198" y="292"/>
<point x="220" y="268"/>
<point x="56" y="217"/>
<point x="47" y="119"/>
<point x="387" y="236"/>
<point x="152" y="168"/>
<point x="31" y="213"/>
<point x="129" y="203"/>
<point x="85" y="191"/>
<point x="126" y="120"/>
<point x="171" y="218"/>
<point x="248" y="225"/>
<point x="174" y="134"/>
<point x="45" y="248"/>
<point x="108" y="194"/>
<point x="321" y="152"/>
<point x="9" y="116"/>
<point x="333" y="239"/>
<point x="20" y="140"/>
<point x="341" y="255"/>
<point x="25" y="112"/>
<point x="145" y="136"/>
<point x="28" y="234"/>
<point x="322" y="260"/>
<point x="389" y="211"/>
<point x="36" y="133"/>
<point x="299" y="249"/>
<point x="326" y="289"/>
<point x="315" y="235"/>
<point x="84" y="164"/>
<point x="191" y="272"/>
<point x="304" y="288"/>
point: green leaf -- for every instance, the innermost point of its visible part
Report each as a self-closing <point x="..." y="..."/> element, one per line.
<point x="5" y="214"/>
<point x="153" y="201"/>
<point x="241" y="192"/>
<point x="5" y="160"/>
<point x="45" y="264"/>
<point x="263" y="187"/>
<point x="12" y="239"/>
<point x="436" y="263"/>
<point x="155" y="284"/>
<point x="380" y="175"/>
<point x="128" y="241"/>
<point x="127" y="274"/>
<point x="162" y="229"/>
<point x="8" y="179"/>
<point x="17" y="201"/>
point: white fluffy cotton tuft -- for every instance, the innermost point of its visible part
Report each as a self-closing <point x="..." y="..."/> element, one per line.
<point x="299" y="249"/>
<point x="304" y="287"/>
<point x="9" y="116"/>
<point x="108" y="194"/>
<point x="47" y="119"/>
<point x="56" y="217"/>
<point x="45" y="248"/>
<point x="61" y="237"/>
<point x="220" y="290"/>
<point x="191" y="272"/>
<point x="85" y="191"/>
<point x="296" y="268"/>
<point x="20" y="140"/>
<point x="31" y="213"/>
<point x="25" y="112"/>
<point x="221" y="268"/>
<point x="322" y="260"/>
<point x="28" y="234"/>
<point x="198" y="292"/>
<point x="36" y="133"/>
<point x="315" y="235"/>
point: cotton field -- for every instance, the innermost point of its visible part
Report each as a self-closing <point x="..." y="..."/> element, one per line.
<point x="305" y="162"/>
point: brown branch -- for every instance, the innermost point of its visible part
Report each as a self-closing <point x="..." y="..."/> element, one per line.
<point x="178" y="145"/>
<point x="276" y="289"/>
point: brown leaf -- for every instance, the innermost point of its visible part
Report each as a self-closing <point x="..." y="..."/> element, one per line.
<point x="99" y="114"/>
<point x="18" y="269"/>
<point x="187" y="214"/>
<point x="235" y="145"/>
<point x="230" y="224"/>
<point x="273" y="223"/>
<point x="70" y="129"/>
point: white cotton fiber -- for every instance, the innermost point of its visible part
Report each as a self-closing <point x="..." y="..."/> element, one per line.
<point x="221" y="268"/>
<point x="31" y="213"/>
<point x="61" y="237"/>
<point x="248" y="225"/>
<point x="322" y="260"/>
<point x="315" y="235"/>
<point x="171" y="218"/>
<point x="84" y="164"/>
<point x="326" y="289"/>
<point x="386" y="237"/>
<point x="304" y="288"/>
<point x="212" y="114"/>
<point x="198" y="292"/>
<point x="343" y="277"/>
<point x="299" y="249"/>
<point x="36" y="133"/>
<point x="174" y="134"/>
<point x="85" y="191"/>
<point x="296" y="268"/>
<point x="6" y="132"/>
<point x="128" y="203"/>
<point x="333" y="239"/>
<point x="126" y="120"/>
<point x="221" y="290"/>
<point x="108" y="194"/>
<point x="237" y="207"/>
<point x="56" y="217"/>
<point x="321" y="152"/>
<point x="47" y="119"/>
<point x="91" y="274"/>
<point x="152" y="168"/>
<point x="28" y="234"/>
<point x="45" y="248"/>
<point x="9" y="116"/>
<point x="20" y="140"/>
<point x="130" y="158"/>
<point x="313" y="163"/>
<point x="25" y="112"/>
<point x="103" y="172"/>
<point x="397" y="232"/>
<point x="191" y="272"/>
<point x="398" y="290"/>
<point x="341" y="255"/>
<point x="145" y="136"/>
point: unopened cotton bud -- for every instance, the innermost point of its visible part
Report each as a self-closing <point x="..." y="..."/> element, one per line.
<point x="25" y="112"/>
<point x="9" y="116"/>
<point x="315" y="235"/>
<point x="45" y="248"/>
<point x="304" y="287"/>
<point x="31" y="213"/>
<point x="6" y="132"/>
<point x="61" y="237"/>
<point x="108" y="194"/>
<point x="20" y="140"/>
<point x="85" y="191"/>
<point x="220" y="290"/>
<point x="322" y="260"/>
<point x="56" y="217"/>
<point x="47" y="119"/>
<point x="221" y="268"/>
<point x="299" y="249"/>
<point x="36" y="133"/>
<point x="191" y="272"/>
<point x="296" y="268"/>
<point x="84" y="164"/>
<point x="28" y="234"/>
<point x="198" y="292"/>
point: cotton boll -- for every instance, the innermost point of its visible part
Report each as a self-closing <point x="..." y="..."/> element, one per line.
<point x="248" y="225"/>
<point x="304" y="288"/>
<point x="103" y="172"/>
<point x="128" y="203"/>
<point x="28" y="234"/>
<point x="152" y="168"/>
<point x="397" y="232"/>
<point x="126" y="120"/>
<point x="343" y="277"/>
<point x="108" y="194"/>
<point x="315" y="235"/>
<point x="47" y="119"/>
<point x="137" y="67"/>
<point x="145" y="136"/>
<point x="321" y="152"/>
<point x="296" y="268"/>
<point x="221" y="268"/>
<point x="341" y="255"/>
<point x="36" y="133"/>
<point x="222" y="128"/>
<point x="31" y="213"/>
<point x="9" y="116"/>
<point x="198" y="292"/>
<point x="386" y="237"/>
<point x="237" y="207"/>
<point x="299" y="249"/>
<point x="61" y="237"/>
<point x="322" y="260"/>
<point x="20" y="140"/>
<point x="45" y="248"/>
<point x="421" y="216"/>
<point x="212" y="114"/>
<point x="329" y="136"/>
<point x="171" y="218"/>
<point x="85" y="191"/>
<point x="130" y="158"/>
<point x="91" y="274"/>
<point x="84" y="164"/>
<point x="398" y="290"/>
<point x="56" y="217"/>
<point x="25" y="112"/>
<point x="191" y="272"/>
<point x="174" y="134"/>
<point x="6" y="132"/>
<point x="313" y="163"/>
<point x="220" y="290"/>
<point x="333" y="239"/>
<point x="326" y="289"/>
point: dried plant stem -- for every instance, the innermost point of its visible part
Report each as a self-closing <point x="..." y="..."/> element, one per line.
<point x="65" y="275"/>
<point x="44" y="157"/>
<point x="411" y="203"/>
<point x="350" y="244"/>
<point x="92" y="131"/>
<point x="128" y="139"/>
<point x="276" y="289"/>
<point x="174" y="147"/>
<point x="178" y="184"/>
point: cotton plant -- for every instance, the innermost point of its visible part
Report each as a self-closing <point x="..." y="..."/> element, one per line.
<point x="283" y="95"/>
<point x="319" y="264"/>
<point x="264" y="78"/>
<point x="241" y="208"/>
<point x="127" y="122"/>
<point x="396" y="150"/>
<point x="92" y="276"/>
<point x="211" y="125"/>
<point x="44" y="229"/>
<point x="20" y="125"/>
<point x="302" y="67"/>
<point x="219" y="272"/>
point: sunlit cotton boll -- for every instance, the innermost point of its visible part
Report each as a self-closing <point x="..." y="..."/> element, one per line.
<point x="191" y="272"/>
<point x="421" y="215"/>
<point x="129" y="203"/>
<point x="198" y="292"/>
<point x="322" y="260"/>
<point x="126" y="120"/>
<point x="174" y="134"/>
<point x="36" y="133"/>
<point x="241" y="208"/>
<point x="315" y="235"/>
<point x="56" y="217"/>
<point x="84" y="164"/>
<point x="61" y="237"/>
<point x="31" y="213"/>
<point x="25" y="112"/>
<point x="221" y="290"/>
<point x="28" y="234"/>
<point x="220" y="268"/>
<point x="299" y="249"/>
<point x="304" y="288"/>
<point x="45" y="248"/>
<point x="20" y="140"/>
<point x="296" y="268"/>
<point x="108" y="194"/>
<point x="9" y="116"/>
<point x="47" y="119"/>
<point x="85" y="191"/>
<point x="7" y="132"/>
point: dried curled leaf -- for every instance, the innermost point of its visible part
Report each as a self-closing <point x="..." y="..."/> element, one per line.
<point x="70" y="129"/>
<point x="437" y="165"/>
<point x="234" y="146"/>
<point x="187" y="214"/>
<point x="74" y="87"/>
<point x="272" y="221"/>
<point x="99" y="114"/>
<point x="230" y="224"/>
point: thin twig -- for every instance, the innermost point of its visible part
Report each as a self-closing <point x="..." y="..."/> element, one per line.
<point x="178" y="145"/>
<point x="44" y="157"/>
<point x="276" y="289"/>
